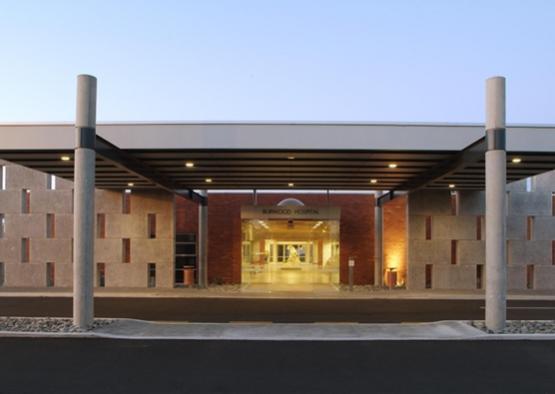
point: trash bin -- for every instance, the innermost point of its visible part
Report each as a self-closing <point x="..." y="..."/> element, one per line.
<point x="391" y="278"/>
<point x="188" y="276"/>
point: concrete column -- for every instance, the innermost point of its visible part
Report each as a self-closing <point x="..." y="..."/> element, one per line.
<point x="378" y="248"/>
<point x="83" y="215"/>
<point x="203" y="242"/>
<point x="496" y="168"/>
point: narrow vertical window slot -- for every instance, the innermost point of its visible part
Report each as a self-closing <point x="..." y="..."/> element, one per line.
<point x="50" y="275"/>
<point x="428" y="277"/>
<point x="454" y="244"/>
<point x="2" y="274"/>
<point x="126" y="201"/>
<point x="126" y="250"/>
<point x="479" y="276"/>
<point x="2" y="177"/>
<point x="151" y="225"/>
<point x="428" y="227"/>
<point x="101" y="274"/>
<point x="529" y="228"/>
<point x="553" y="204"/>
<point x="454" y="203"/>
<point x="100" y="225"/>
<point x="25" y="250"/>
<point x="553" y="252"/>
<point x="25" y="201"/>
<point x="2" y="225"/>
<point x="530" y="276"/>
<point x="51" y="182"/>
<point x="479" y="228"/>
<point x="151" y="275"/>
<point x="50" y="225"/>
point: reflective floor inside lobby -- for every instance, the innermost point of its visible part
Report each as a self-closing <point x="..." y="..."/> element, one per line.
<point x="290" y="255"/>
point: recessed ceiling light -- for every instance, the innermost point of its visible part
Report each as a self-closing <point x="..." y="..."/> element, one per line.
<point x="208" y="180"/>
<point x="65" y="158"/>
<point x="189" y="164"/>
<point x="392" y="165"/>
<point x="373" y="181"/>
<point x="290" y="184"/>
<point x="451" y="186"/>
<point x="516" y="160"/>
<point x="130" y="184"/>
<point x="291" y="157"/>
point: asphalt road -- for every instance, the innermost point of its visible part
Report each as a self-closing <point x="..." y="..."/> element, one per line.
<point x="276" y="310"/>
<point x="120" y="366"/>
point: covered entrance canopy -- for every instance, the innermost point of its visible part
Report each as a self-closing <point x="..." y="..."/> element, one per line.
<point x="182" y="157"/>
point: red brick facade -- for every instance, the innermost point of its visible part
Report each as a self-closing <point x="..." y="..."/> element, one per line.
<point x="224" y="231"/>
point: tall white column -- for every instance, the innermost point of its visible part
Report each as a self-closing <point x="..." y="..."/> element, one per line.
<point x="203" y="242"/>
<point x="496" y="168"/>
<point x="83" y="214"/>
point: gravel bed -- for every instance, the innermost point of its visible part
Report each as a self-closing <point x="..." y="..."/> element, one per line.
<point x="45" y="324"/>
<point x="521" y="326"/>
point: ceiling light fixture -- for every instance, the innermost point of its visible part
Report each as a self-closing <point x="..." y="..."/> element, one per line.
<point x="189" y="164"/>
<point x="392" y="165"/>
<point x="290" y="184"/>
<point x="65" y="158"/>
<point x="373" y="181"/>
<point x="208" y="180"/>
<point x="451" y="186"/>
<point x="516" y="160"/>
<point x="130" y="184"/>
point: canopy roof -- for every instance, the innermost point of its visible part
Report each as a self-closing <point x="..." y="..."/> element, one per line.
<point x="337" y="156"/>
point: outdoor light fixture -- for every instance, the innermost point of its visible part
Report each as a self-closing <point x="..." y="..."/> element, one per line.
<point x="392" y="165"/>
<point x="373" y="181"/>
<point x="130" y="184"/>
<point x="290" y="184"/>
<point x="65" y="158"/>
<point x="208" y="180"/>
<point x="189" y="164"/>
<point x="516" y="160"/>
<point x="451" y="186"/>
<point x="127" y="191"/>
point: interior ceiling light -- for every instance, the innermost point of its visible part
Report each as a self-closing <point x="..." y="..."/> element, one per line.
<point x="65" y="158"/>
<point x="130" y="184"/>
<point x="451" y="186"/>
<point x="373" y="181"/>
<point x="189" y="164"/>
<point x="392" y="165"/>
<point x="290" y="184"/>
<point x="208" y="180"/>
<point x="291" y="157"/>
<point x="516" y="160"/>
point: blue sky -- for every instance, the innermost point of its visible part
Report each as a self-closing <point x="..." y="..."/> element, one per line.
<point x="301" y="60"/>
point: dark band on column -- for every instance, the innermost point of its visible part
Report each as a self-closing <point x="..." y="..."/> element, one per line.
<point x="85" y="137"/>
<point x="496" y="139"/>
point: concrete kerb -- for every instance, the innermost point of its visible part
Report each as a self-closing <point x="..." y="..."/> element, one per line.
<point x="133" y="329"/>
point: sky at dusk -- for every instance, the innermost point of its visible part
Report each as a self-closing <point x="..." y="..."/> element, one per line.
<point x="301" y="60"/>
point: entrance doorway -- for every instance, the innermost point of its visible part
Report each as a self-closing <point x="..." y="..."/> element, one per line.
<point x="294" y="254"/>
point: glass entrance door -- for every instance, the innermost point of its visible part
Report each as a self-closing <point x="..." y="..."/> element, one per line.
<point x="283" y="253"/>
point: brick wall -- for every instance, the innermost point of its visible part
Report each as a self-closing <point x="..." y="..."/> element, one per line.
<point x="395" y="238"/>
<point x="224" y="231"/>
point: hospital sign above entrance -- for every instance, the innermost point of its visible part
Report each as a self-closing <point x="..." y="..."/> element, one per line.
<point x="290" y="212"/>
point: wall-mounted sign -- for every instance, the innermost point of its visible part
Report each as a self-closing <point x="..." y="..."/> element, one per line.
<point x="290" y="212"/>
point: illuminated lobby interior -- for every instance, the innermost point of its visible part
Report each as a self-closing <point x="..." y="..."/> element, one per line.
<point x="290" y="254"/>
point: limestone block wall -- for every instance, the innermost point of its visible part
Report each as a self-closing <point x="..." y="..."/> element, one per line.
<point x="447" y="237"/>
<point x="18" y="271"/>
